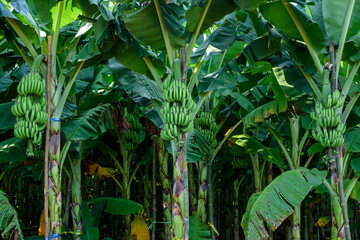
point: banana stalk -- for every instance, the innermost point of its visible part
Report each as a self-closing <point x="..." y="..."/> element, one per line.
<point x="202" y="194"/>
<point x="76" y="199"/>
<point x="55" y="200"/>
<point x="180" y="212"/>
<point x="165" y="182"/>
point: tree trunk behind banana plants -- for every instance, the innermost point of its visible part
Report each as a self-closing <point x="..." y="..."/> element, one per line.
<point x="236" y="210"/>
<point x="153" y="192"/>
<point x="126" y="192"/>
<point x="192" y="191"/>
<point x="76" y="199"/>
<point x="55" y="200"/>
<point x="202" y="197"/>
<point x="165" y="182"/>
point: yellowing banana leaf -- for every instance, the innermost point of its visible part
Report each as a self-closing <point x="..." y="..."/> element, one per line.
<point x="94" y="168"/>
<point x="42" y="224"/>
<point x="323" y="221"/>
<point x="139" y="229"/>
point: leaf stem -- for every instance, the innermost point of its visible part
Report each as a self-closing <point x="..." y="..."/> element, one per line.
<point x="153" y="71"/>
<point x="60" y="106"/>
<point x="224" y="140"/>
<point x="350" y="79"/>
<point x="349" y="106"/>
<point x="164" y="32"/>
<point x="312" y="84"/>
<point x="196" y="33"/>
<point x="343" y="37"/>
<point x="287" y="155"/>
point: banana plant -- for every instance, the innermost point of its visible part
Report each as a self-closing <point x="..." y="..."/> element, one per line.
<point x="128" y="141"/>
<point x="61" y="81"/>
<point x="315" y="41"/>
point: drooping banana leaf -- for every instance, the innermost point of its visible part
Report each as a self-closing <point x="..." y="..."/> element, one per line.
<point x="144" y="25"/>
<point x="277" y="201"/>
<point x="117" y="206"/>
<point x="134" y="82"/>
<point x="252" y="145"/>
<point x="83" y="126"/>
<point x="334" y="13"/>
<point x="9" y="221"/>
<point x="274" y="107"/>
<point x="276" y="14"/>
<point x="248" y="4"/>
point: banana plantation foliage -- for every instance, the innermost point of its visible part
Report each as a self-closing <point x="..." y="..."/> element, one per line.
<point x="175" y="119"/>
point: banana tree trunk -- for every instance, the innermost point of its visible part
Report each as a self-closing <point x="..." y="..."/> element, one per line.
<point x="165" y="182"/>
<point x="76" y="200"/>
<point x="296" y="223"/>
<point x="210" y="198"/>
<point x="340" y="222"/>
<point x="202" y="197"/>
<point x="126" y="192"/>
<point x="236" y="210"/>
<point x="55" y="200"/>
<point x="337" y="231"/>
<point x="153" y="193"/>
<point x="180" y="197"/>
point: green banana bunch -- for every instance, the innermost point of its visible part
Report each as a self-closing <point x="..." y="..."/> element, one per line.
<point x="325" y="117"/>
<point x="236" y="151"/>
<point x="206" y="125"/>
<point x="329" y="130"/>
<point x="238" y="162"/>
<point x="30" y="109"/>
<point x="177" y="107"/>
<point x="132" y="137"/>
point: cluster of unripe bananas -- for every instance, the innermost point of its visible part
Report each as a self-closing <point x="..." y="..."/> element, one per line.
<point x="177" y="107"/>
<point x="30" y="108"/>
<point x="329" y="128"/>
<point x="238" y="160"/>
<point x="132" y="136"/>
<point x="206" y="125"/>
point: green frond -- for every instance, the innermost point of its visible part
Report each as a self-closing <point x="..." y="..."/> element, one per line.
<point x="9" y="221"/>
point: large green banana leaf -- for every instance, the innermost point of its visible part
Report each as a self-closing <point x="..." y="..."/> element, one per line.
<point x="248" y="4"/>
<point x="117" y="206"/>
<point x="91" y="231"/>
<point x="277" y="201"/>
<point x="276" y="14"/>
<point x="83" y="126"/>
<point x="144" y="25"/>
<point x="267" y="109"/>
<point x="334" y="13"/>
<point x="352" y="140"/>
<point x="135" y="82"/>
